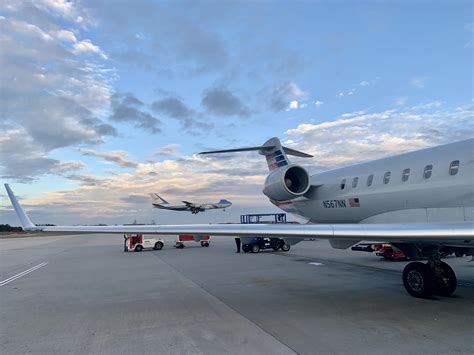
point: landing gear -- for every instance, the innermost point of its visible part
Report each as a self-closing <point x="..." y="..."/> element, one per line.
<point x="445" y="282"/>
<point x="434" y="277"/>
<point x="418" y="280"/>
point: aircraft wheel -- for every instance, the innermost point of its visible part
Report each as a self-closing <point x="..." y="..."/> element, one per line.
<point x="419" y="280"/>
<point x="254" y="248"/>
<point x="445" y="281"/>
<point x="138" y="248"/>
<point x="285" y="247"/>
<point x="158" y="246"/>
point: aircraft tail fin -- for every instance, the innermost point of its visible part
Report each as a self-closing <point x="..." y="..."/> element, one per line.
<point x="273" y="151"/>
<point x="158" y="198"/>
<point x="23" y="217"/>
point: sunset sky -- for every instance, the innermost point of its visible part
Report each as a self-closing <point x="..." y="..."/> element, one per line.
<point x="104" y="102"/>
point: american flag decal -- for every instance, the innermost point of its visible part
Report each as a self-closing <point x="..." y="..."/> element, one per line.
<point x="276" y="160"/>
<point x="354" y="202"/>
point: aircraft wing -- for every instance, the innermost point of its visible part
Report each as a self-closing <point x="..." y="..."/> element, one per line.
<point x="188" y="204"/>
<point x="425" y="233"/>
<point x="445" y="233"/>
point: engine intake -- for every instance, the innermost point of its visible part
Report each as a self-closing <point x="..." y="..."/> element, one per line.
<point x="286" y="183"/>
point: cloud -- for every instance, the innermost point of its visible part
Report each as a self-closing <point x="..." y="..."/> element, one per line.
<point x="169" y="150"/>
<point x="23" y="160"/>
<point x="50" y="95"/>
<point x="419" y="82"/>
<point x="400" y="101"/>
<point x="172" y="107"/>
<point x="293" y="105"/>
<point x="222" y="102"/>
<point x="117" y="157"/>
<point x="85" y="47"/>
<point x="361" y="136"/>
<point x="127" y="108"/>
<point x="282" y="96"/>
<point x="318" y="103"/>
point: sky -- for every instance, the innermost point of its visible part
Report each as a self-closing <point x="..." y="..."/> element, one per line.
<point x="104" y="102"/>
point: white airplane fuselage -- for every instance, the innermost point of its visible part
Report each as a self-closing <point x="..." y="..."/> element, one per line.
<point x="413" y="198"/>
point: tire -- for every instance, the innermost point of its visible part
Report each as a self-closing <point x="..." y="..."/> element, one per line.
<point x="255" y="248"/>
<point x="458" y="253"/>
<point x="206" y="245"/>
<point x="275" y="248"/>
<point x="138" y="248"/>
<point x="181" y="246"/>
<point x="285" y="247"/>
<point x="245" y="248"/>
<point x="158" y="246"/>
<point x="203" y="244"/>
<point x="445" y="280"/>
<point x="419" y="280"/>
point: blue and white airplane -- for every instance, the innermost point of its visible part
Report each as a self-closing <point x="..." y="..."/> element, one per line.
<point x="194" y="208"/>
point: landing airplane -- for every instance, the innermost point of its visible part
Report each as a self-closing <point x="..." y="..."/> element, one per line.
<point x="422" y="202"/>
<point x="194" y="208"/>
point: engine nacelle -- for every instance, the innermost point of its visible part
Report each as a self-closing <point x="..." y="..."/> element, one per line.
<point x="286" y="183"/>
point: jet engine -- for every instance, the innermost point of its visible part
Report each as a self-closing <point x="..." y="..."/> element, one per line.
<point x="286" y="183"/>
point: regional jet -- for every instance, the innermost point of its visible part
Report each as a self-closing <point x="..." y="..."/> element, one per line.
<point x="422" y="202"/>
<point x="194" y="208"/>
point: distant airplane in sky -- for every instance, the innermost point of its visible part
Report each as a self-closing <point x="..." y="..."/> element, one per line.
<point x="194" y="208"/>
<point x="422" y="202"/>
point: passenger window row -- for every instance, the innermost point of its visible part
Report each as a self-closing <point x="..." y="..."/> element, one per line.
<point x="453" y="170"/>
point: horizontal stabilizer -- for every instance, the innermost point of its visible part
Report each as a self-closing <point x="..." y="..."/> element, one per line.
<point x="262" y="148"/>
<point x="296" y="153"/>
<point x="246" y="149"/>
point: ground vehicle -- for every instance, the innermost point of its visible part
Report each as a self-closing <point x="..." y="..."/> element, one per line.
<point x="138" y="242"/>
<point x="203" y="239"/>
<point x="260" y="243"/>
<point x="388" y="251"/>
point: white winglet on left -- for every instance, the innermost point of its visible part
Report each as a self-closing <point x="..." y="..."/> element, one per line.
<point x="24" y="219"/>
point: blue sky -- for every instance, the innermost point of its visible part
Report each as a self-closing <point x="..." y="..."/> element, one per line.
<point x="103" y="104"/>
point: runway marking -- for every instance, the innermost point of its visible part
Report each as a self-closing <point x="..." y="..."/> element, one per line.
<point x="21" y="274"/>
<point x="316" y="264"/>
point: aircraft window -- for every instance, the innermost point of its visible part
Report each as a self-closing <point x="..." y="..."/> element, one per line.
<point x="370" y="179"/>
<point x="355" y="181"/>
<point x="343" y="184"/>
<point x="454" y="167"/>
<point x="427" y="171"/>
<point x="405" y="174"/>
<point x="386" y="177"/>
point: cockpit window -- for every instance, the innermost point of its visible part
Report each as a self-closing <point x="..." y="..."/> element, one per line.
<point x="454" y="167"/>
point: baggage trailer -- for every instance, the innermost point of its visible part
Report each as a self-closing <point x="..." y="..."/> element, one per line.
<point x="138" y="242"/>
<point x="203" y="239"/>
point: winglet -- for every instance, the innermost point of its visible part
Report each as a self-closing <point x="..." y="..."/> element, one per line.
<point x="24" y="219"/>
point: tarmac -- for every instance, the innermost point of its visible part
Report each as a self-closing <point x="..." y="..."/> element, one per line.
<point x="83" y="295"/>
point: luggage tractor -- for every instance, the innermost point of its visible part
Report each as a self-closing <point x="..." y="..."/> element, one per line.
<point x="138" y="242"/>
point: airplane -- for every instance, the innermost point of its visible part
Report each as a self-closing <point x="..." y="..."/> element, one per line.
<point x="422" y="202"/>
<point x="195" y="208"/>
